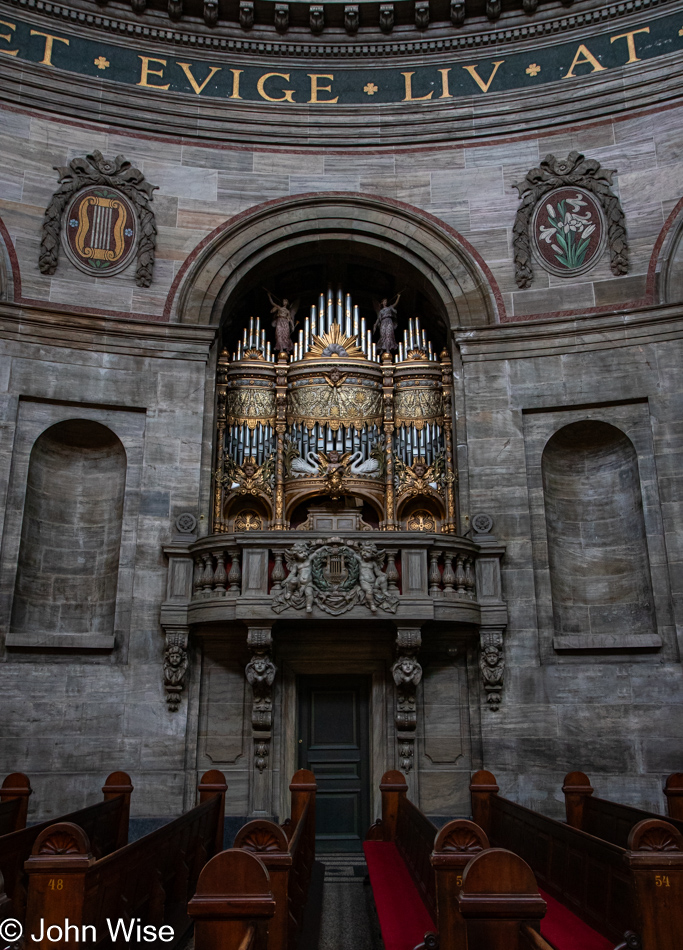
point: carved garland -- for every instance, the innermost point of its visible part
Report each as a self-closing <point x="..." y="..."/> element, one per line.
<point x="95" y="170"/>
<point x="581" y="172"/>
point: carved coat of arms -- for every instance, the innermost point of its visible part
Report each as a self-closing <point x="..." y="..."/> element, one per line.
<point x="336" y="576"/>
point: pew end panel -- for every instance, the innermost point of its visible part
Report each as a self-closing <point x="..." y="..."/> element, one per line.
<point x="233" y="903"/>
<point x="14" y="795"/>
<point x="213" y="783"/>
<point x="655" y="859"/>
<point x="498" y="894"/>
<point x="393" y="787"/>
<point x="674" y="795"/>
<point x="454" y="847"/>
<point x="269" y="842"/>
<point x="119" y="784"/>
<point x="57" y="869"/>
<point x="576" y="788"/>
<point x="482" y="789"/>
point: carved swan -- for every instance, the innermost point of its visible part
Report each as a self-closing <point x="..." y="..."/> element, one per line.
<point x="309" y="466"/>
<point x="358" y="467"/>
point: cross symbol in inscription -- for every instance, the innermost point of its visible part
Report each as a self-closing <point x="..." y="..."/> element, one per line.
<point x="371" y="88"/>
<point x="101" y="62"/>
<point x="533" y="70"/>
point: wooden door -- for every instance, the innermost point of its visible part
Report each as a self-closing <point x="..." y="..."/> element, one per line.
<point x="333" y="744"/>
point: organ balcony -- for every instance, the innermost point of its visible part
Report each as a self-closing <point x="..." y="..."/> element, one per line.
<point x="351" y="574"/>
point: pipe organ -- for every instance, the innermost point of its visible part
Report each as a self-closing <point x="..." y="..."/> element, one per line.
<point x="335" y="421"/>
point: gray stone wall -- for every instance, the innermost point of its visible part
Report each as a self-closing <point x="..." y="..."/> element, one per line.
<point x="67" y="352"/>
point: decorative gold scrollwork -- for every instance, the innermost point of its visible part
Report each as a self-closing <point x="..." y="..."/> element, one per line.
<point x="418" y="407"/>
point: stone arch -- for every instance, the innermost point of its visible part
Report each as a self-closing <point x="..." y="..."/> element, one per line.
<point x="597" y="545"/>
<point x="665" y="273"/>
<point x="67" y="575"/>
<point x="453" y="274"/>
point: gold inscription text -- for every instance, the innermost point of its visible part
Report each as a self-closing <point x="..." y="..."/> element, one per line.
<point x="316" y="88"/>
<point x="484" y="86"/>
<point x="632" y="57"/>
<point x="588" y="57"/>
<point x="8" y="37"/>
<point x="187" y="69"/>
<point x="49" y="41"/>
<point x="287" y="94"/>
<point x="146" y="72"/>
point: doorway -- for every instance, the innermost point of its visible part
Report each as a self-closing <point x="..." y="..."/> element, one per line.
<point x="333" y="744"/>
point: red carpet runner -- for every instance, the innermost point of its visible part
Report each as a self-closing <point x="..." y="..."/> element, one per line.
<point x="403" y="917"/>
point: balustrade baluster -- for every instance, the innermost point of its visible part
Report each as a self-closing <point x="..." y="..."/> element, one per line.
<point x="469" y="578"/>
<point x="392" y="571"/>
<point x="278" y="574"/>
<point x="207" y="576"/>
<point x="220" y="575"/>
<point x="235" y="574"/>
<point x="448" y="572"/>
<point x="434" y="574"/>
<point x="198" y="574"/>
<point x="460" y="575"/>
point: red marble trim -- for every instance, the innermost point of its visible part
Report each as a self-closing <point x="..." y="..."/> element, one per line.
<point x="14" y="260"/>
<point x="391" y="202"/>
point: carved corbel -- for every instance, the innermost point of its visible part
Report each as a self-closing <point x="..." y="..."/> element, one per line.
<point x="281" y="17"/>
<point x="492" y="666"/>
<point x="260" y="673"/>
<point x="175" y="666"/>
<point x="351" y="17"/>
<point x="422" y="14"/>
<point x="386" y="17"/>
<point x="457" y="12"/>
<point x="246" y="14"/>
<point x="316" y="18"/>
<point x="407" y="674"/>
<point x="211" y="12"/>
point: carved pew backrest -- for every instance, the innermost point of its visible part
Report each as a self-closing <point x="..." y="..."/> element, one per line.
<point x="454" y="847"/>
<point x="288" y="852"/>
<point x="233" y="903"/>
<point x="655" y="859"/>
<point x="14" y="796"/>
<point x="674" y="795"/>
<point x="499" y="893"/>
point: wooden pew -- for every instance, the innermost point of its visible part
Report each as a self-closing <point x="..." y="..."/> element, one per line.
<point x="447" y="887"/>
<point x="105" y="823"/>
<point x="14" y="796"/>
<point x="233" y="903"/>
<point x="638" y="888"/>
<point x="288" y="852"/>
<point x="144" y="884"/>
<point x="599" y="817"/>
<point x="674" y="796"/>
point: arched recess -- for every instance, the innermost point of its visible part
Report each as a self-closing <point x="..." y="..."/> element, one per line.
<point x="665" y="275"/>
<point x="597" y="546"/>
<point x="454" y="278"/>
<point x="67" y="574"/>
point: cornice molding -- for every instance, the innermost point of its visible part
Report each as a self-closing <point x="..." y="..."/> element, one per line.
<point x="132" y="336"/>
<point x="364" y="46"/>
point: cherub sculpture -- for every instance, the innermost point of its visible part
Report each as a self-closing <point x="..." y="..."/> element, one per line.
<point x="407" y="672"/>
<point x="298" y="585"/>
<point x="248" y="478"/>
<point x="283" y="322"/>
<point x="386" y="323"/>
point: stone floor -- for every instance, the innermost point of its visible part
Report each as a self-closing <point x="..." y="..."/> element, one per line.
<point x="348" y="920"/>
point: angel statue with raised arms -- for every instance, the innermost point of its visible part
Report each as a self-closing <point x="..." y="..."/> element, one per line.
<point x="283" y="322"/>
<point x="386" y="323"/>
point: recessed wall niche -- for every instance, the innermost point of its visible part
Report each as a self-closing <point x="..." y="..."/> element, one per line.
<point x="67" y="573"/>
<point x="597" y="545"/>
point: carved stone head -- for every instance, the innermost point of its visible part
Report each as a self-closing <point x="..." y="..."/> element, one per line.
<point x="491" y="656"/>
<point x="246" y="14"/>
<point x="351" y="18"/>
<point x="175" y="656"/>
<point x="281" y="17"/>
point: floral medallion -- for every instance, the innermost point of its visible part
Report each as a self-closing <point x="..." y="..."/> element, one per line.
<point x="568" y="231"/>
<point x="100" y="231"/>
